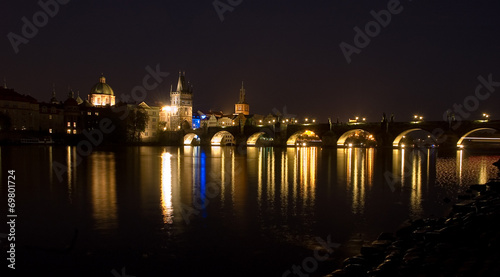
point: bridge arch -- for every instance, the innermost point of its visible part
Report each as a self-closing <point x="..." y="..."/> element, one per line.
<point x="342" y="139"/>
<point x="222" y="138"/>
<point x="191" y="139"/>
<point x="459" y="142"/>
<point x="303" y="136"/>
<point x="397" y="140"/>
<point x="254" y="139"/>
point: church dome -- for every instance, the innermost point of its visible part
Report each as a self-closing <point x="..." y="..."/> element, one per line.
<point x="102" y="87"/>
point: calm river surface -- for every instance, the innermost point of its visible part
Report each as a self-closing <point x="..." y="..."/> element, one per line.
<point x="189" y="211"/>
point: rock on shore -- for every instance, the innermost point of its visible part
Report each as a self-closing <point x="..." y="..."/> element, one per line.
<point x="465" y="243"/>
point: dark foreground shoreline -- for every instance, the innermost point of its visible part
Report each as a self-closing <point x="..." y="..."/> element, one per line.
<point x="464" y="243"/>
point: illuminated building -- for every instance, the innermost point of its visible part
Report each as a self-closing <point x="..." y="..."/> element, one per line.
<point x="181" y="104"/>
<point x="72" y="116"/>
<point x="152" y="125"/>
<point x="102" y="94"/>
<point x="242" y="106"/>
<point x="52" y="116"/>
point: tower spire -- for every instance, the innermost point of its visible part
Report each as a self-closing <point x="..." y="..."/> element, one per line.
<point x="242" y="94"/>
<point x="102" y="79"/>
<point x="181" y="83"/>
<point x="53" y="100"/>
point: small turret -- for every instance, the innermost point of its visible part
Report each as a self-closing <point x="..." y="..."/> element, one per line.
<point x="53" y="100"/>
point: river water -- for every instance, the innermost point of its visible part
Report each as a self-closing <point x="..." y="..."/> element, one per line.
<point x="190" y="211"/>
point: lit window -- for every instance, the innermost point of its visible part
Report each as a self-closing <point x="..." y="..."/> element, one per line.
<point x="69" y="124"/>
<point x="50" y="131"/>
<point x="50" y="116"/>
<point x="74" y="124"/>
<point x="89" y="113"/>
<point x="96" y="113"/>
<point x="74" y="131"/>
<point x="69" y="131"/>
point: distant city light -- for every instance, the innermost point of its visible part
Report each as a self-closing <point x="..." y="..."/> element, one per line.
<point x="417" y="118"/>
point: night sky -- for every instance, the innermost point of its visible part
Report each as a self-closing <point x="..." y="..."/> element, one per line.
<point x="427" y="58"/>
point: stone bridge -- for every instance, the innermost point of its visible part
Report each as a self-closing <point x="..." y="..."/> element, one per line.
<point x="387" y="134"/>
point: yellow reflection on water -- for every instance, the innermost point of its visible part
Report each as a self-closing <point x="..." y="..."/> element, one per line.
<point x="166" y="188"/>
<point x="72" y="165"/>
<point x="297" y="178"/>
<point x="460" y="160"/>
<point x="284" y="184"/>
<point x="416" y="185"/>
<point x="270" y="175"/>
<point x="357" y="165"/>
<point x="259" y="178"/>
<point x="103" y="184"/>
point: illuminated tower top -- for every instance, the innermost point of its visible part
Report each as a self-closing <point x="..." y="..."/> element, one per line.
<point x="242" y="106"/>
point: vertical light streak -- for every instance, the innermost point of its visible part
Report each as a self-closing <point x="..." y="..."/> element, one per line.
<point x="166" y="188"/>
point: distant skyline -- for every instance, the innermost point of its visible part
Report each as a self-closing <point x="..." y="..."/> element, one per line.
<point x="426" y="58"/>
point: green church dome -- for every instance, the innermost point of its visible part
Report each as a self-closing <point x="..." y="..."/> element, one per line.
<point x="102" y="87"/>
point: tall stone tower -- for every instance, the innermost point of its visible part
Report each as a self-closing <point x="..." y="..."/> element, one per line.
<point x="181" y="102"/>
<point x="242" y="106"/>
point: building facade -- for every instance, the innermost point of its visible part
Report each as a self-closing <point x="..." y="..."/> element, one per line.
<point x="181" y="105"/>
<point x="23" y="110"/>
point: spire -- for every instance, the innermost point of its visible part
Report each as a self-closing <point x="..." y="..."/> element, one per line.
<point x="53" y="100"/>
<point x="102" y="79"/>
<point x="181" y="83"/>
<point x="242" y="94"/>
<point x="71" y="94"/>
<point x="78" y="99"/>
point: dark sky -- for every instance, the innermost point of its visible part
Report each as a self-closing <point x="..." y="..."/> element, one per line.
<point x="287" y="52"/>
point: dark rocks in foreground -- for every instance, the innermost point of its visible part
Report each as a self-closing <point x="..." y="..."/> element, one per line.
<point x="465" y="243"/>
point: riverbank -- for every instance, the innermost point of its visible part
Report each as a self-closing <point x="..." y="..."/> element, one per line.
<point x="464" y="243"/>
